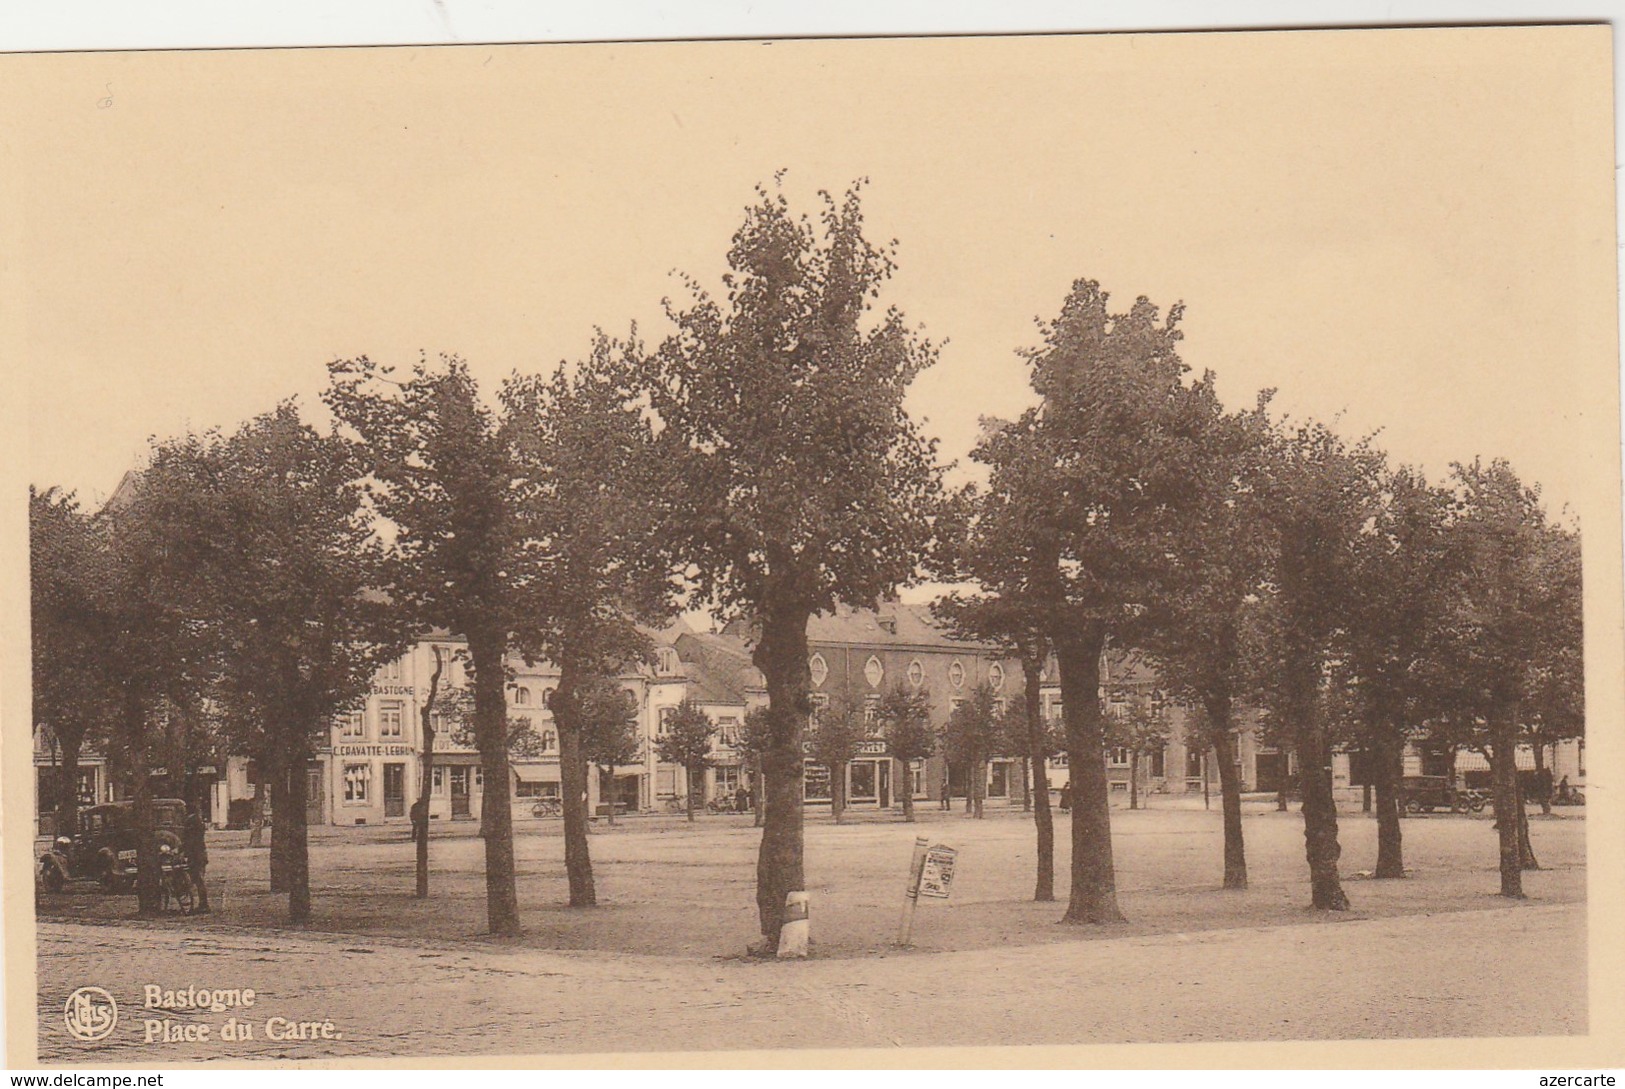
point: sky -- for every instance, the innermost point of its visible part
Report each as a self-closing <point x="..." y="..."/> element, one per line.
<point x="1397" y="230"/>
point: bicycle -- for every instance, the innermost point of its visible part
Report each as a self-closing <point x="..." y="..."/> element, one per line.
<point x="547" y="807"/>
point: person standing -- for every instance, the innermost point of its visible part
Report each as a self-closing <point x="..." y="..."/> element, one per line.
<point x="196" y="846"/>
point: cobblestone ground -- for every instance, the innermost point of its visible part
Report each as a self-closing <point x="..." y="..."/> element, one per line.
<point x="1404" y="977"/>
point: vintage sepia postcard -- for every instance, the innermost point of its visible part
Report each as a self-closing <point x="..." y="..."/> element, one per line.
<point x="978" y="551"/>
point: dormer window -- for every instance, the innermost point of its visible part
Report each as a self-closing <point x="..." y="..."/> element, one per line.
<point x="819" y="670"/>
<point x="888" y="624"/>
<point x="873" y="671"/>
<point x="666" y="662"/>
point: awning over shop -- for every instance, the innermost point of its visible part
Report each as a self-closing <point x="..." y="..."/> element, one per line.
<point x="1468" y="760"/>
<point x="537" y="773"/>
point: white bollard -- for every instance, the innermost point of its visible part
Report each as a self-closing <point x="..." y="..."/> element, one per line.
<point x="795" y="930"/>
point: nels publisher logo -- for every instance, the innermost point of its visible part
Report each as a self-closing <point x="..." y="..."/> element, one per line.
<point x="90" y="1014"/>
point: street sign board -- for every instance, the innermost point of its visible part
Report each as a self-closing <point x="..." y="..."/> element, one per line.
<point x="938" y="872"/>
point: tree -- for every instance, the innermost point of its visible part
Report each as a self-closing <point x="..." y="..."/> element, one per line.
<point x="803" y="480"/>
<point x="1099" y="478"/>
<point x="1320" y="495"/>
<point x="1198" y="649"/>
<point x="970" y="738"/>
<point x="1403" y="575"/>
<point x="441" y="704"/>
<point x="608" y="717"/>
<point x="1514" y="626"/>
<point x="837" y="733"/>
<point x="1142" y="730"/>
<point x="904" y="717"/>
<point x="281" y="564"/>
<point x="594" y="504"/>
<point x="755" y="735"/>
<point x="978" y="538"/>
<point x="685" y="739"/>
<point x="70" y="638"/>
<point x="445" y="481"/>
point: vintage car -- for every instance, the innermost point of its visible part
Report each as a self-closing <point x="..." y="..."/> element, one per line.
<point x="1425" y="793"/>
<point x="104" y="847"/>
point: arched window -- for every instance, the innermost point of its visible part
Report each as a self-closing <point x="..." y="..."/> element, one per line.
<point x="521" y="697"/>
<point x="956" y="674"/>
<point x="916" y="673"/>
<point x="819" y="669"/>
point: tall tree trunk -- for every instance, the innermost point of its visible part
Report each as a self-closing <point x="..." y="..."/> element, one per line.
<point x="979" y="787"/>
<point x="1026" y="765"/>
<point x="1315" y="784"/>
<point x="67" y="782"/>
<point x="1038" y="753"/>
<point x="904" y="784"/>
<point x="1367" y="757"/>
<point x="1526" y="850"/>
<point x="1219" y="711"/>
<point x="1134" y="779"/>
<point x="487" y="650"/>
<point x="782" y="657"/>
<point x="256" y="812"/>
<point x="837" y="792"/>
<point x="1385" y="766"/>
<point x="280" y="832"/>
<point x="607" y="772"/>
<point x="1543" y="778"/>
<point x="1504" y="774"/>
<point x="573" y="785"/>
<point x="420" y="831"/>
<point x="298" y="845"/>
<point x="149" y="897"/>
<point x="1094" y="879"/>
<point x="688" y="792"/>
<point x="758" y="795"/>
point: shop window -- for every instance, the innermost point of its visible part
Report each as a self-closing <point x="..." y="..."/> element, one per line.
<point x="390" y="714"/>
<point x="727" y="780"/>
<point x="357" y="784"/>
<point x="531" y="788"/>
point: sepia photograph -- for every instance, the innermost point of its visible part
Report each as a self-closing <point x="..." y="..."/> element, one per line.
<point x="815" y="552"/>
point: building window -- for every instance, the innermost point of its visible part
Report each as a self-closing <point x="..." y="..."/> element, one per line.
<point x="353" y="725"/>
<point x="956" y="674"/>
<point x="819" y="701"/>
<point x="389" y="719"/>
<point x="916" y="777"/>
<point x="1193" y="763"/>
<point x="531" y="788"/>
<point x="1158" y="771"/>
<point x="1054" y="713"/>
<point x="916" y="673"/>
<point x="1117" y="757"/>
<point x="391" y="671"/>
<point x="871" y="708"/>
<point x="357" y="784"/>
<point x="819" y="669"/>
<point x="547" y="702"/>
<point x="728" y="731"/>
<point x="995" y="676"/>
<point x="666" y="662"/>
<point x="1001" y="704"/>
<point x="550" y="740"/>
<point x="955" y="703"/>
<point x="439" y="778"/>
<point x="727" y="780"/>
<point x="521" y="697"/>
<point x="663" y="723"/>
<point x="873" y="671"/>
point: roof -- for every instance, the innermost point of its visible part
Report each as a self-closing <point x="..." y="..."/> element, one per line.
<point x="893" y="624"/>
<point x="719" y="667"/>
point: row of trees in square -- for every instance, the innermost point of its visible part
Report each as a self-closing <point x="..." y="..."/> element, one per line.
<point x="759" y="460"/>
